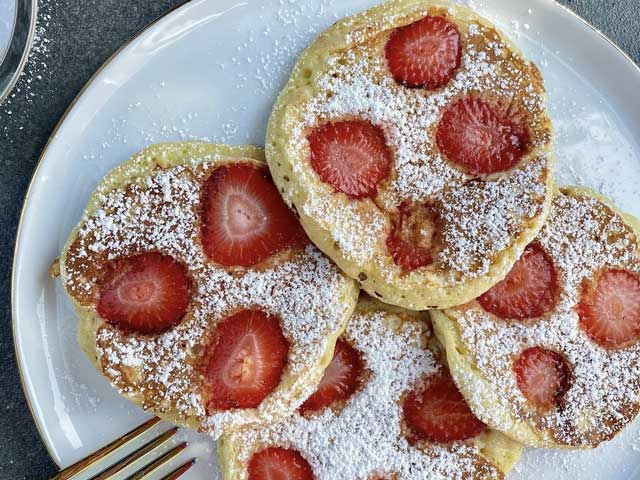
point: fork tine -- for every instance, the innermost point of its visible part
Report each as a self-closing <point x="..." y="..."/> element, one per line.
<point x="135" y="455"/>
<point x="156" y="464"/>
<point x="103" y="452"/>
<point x="178" y="472"/>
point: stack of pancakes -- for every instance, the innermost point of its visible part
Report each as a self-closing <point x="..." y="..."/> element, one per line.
<point x="410" y="155"/>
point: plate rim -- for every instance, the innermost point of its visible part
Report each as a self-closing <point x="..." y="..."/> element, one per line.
<point x="107" y="62"/>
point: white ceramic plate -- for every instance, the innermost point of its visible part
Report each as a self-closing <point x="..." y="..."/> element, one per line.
<point x="211" y="70"/>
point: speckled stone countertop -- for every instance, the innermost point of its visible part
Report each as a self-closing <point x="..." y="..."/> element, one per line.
<point x="77" y="40"/>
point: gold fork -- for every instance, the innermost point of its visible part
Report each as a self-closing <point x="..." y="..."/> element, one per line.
<point x="100" y="456"/>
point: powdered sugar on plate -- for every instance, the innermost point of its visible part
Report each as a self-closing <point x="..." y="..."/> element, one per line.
<point x="365" y="437"/>
<point x="583" y="237"/>
<point x="159" y="212"/>
<point x="11" y="115"/>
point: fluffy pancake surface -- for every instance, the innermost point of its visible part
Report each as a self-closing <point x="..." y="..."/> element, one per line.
<point x="382" y="169"/>
<point x="551" y="355"/>
<point x="239" y="333"/>
<point x="372" y="428"/>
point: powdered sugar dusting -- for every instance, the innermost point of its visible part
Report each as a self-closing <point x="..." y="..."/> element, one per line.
<point x="348" y="225"/>
<point x="356" y="83"/>
<point x="501" y="206"/>
<point x="12" y="116"/>
<point x="159" y="212"/>
<point x="582" y="237"/>
<point x="365" y="437"/>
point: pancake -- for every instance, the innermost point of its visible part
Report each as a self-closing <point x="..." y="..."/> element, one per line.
<point x="551" y="355"/>
<point x="423" y="177"/>
<point x="356" y="425"/>
<point x="199" y="297"/>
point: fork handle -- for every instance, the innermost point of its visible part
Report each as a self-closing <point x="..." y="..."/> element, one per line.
<point x="101" y="453"/>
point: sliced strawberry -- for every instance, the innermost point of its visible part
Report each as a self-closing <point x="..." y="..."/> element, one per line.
<point x="529" y="290"/>
<point x="543" y="376"/>
<point x="245" y="361"/>
<point x="145" y="293"/>
<point x="244" y="219"/>
<point x="339" y="381"/>
<point x="425" y="53"/>
<point x="413" y="234"/>
<point x="610" y="310"/>
<point x="276" y="463"/>
<point x="483" y="137"/>
<point x="439" y="413"/>
<point x="351" y="156"/>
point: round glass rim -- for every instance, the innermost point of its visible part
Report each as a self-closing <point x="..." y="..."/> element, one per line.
<point x="17" y="51"/>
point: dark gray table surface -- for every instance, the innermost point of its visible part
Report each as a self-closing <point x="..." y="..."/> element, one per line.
<point x="79" y="36"/>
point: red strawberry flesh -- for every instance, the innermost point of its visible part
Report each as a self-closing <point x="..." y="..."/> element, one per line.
<point x="609" y="310"/>
<point x="425" y="53"/>
<point x="339" y="381"/>
<point x="529" y="290"/>
<point x="276" y="463"/>
<point x="245" y="361"/>
<point x="482" y="137"/>
<point x="439" y="413"/>
<point x="412" y="238"/>
<point x="351" y="156"/>
<point x="244" y="219"/>
<point x="145" y="293"/>
<point x="543" y="376"/>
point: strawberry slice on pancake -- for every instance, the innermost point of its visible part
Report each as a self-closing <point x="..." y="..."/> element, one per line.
<point x="340" y="379"/>
<point x="244" y="219"/>
<point x="425" y="53"/>
<point x="610" y="309"/>
<point x="245" y="361"/>
<point x="483" y="137"/>
<point x="413" y="235"/>
<point x="543" y="376"/>
<point x="529" y="290"/>
<point x="145" y="293"/>
<point x="439" y="413"/>
<point x="352" y="156"/>
<point x="276" y="463"/>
